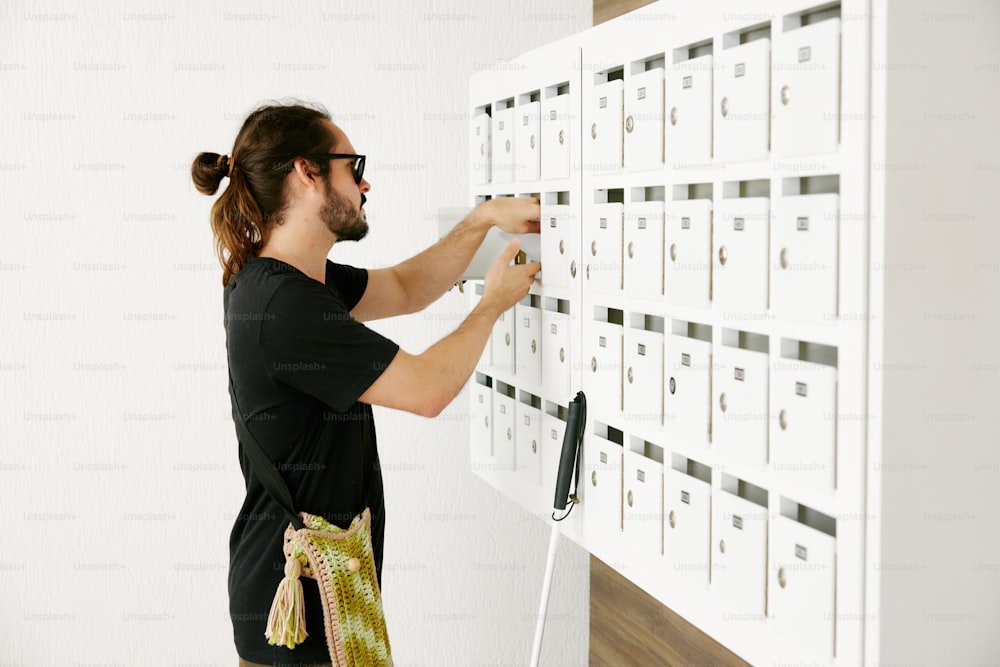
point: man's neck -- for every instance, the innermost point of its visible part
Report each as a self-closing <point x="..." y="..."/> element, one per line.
<point x="306" y="255"/>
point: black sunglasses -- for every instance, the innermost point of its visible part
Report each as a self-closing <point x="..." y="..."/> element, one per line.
<point x="358" y="167"/>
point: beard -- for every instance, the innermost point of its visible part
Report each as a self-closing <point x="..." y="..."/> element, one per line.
<point x="341" y="218"/>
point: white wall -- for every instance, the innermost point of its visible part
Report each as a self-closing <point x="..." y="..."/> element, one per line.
<point x="118" y="472"/>
<point x="936" y="368"/>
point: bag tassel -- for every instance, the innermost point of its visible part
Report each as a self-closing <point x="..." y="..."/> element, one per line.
<point x="286" y="624"/>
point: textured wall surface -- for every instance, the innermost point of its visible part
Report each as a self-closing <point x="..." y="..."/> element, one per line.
<point x="116" y="443"/>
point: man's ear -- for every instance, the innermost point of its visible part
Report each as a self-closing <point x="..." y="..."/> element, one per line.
<point x="303" y="170"/>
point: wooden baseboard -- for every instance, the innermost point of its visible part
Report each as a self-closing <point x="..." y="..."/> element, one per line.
<point x="630" y="627"/>
<point x="605" y="10"/>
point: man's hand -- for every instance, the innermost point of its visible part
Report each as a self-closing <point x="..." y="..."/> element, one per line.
<point x="516" y="215"/>
<point x="505" y="284"/>
<point x="424" y="384"/>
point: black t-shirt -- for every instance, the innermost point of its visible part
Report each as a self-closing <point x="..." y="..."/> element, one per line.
<point x="299" y="361"/>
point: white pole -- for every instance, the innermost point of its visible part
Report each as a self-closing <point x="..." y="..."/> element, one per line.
<point x="550" y="566"/>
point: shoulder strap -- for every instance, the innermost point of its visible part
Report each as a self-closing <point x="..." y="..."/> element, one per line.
<point x="262" y="465"/>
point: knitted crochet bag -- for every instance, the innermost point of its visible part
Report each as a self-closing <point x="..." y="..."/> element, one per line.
<point x="342" y="563"/>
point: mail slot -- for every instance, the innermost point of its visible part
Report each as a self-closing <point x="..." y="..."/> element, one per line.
<point x="602" y="487"/>
<point x="643" y="239"/>
<point x="644" y="120"/>
<point x="687" y="261"/>
<point x="603" y="128"/>
<point x="482" y="423"/>
<point x="556" y="136"/>
<point x="480" y="149"/>
<point x="504" y="430"/>
<point x="802" y="586"/>
<point x="739" y="405"/>
<point x="804" y="258"/>
<point x="803" y="428"/>
<point x="642" y="505"/>
<point x="602" y="370"/>
<point x="739" y="552"/>
<point x="528" y="355"/>
<point x="739" y="255"/>
<point x="687" y="387"/>
<point x="643" y="405"/>
<point x="805" y="96"/>
<point x="527" y="444"/>
<point x="557" y="354"/>
<point x="527" y="141"/>
<point x="559" y="266"/>
<point x="502" y="136"/>
<point x="687" y="520"/>
<point x="689" y="112"/>
<point x="502" y="342"/>
<point x="602" y="254"/>
<point x="742" y="95"/>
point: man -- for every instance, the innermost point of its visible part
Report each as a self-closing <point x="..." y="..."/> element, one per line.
<point x="304" y="368"/>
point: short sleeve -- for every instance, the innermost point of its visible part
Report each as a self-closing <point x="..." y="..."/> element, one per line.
<point x="311" y="343"/>
<point x="350" y="281"/>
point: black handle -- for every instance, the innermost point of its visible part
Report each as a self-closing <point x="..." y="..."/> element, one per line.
<point x="568" y="468"/>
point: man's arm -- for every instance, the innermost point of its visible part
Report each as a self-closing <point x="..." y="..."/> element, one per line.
<point x="426" y="383"/>
<point x="412" y="285"/>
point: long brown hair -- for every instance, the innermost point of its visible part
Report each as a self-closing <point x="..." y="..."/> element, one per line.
<point x="272" y="136"/>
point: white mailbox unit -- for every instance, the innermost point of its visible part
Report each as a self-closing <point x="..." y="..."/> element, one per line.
<point x="769" y="261"/>
<point x="533" y="366"/>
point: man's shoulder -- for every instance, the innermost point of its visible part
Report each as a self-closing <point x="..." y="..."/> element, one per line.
<point x="337" y="273"/>
<point x="264" y="286"/>
<point x="266" y="276"/>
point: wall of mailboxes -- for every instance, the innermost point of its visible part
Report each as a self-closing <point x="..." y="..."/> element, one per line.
<point x="690" y="288"/>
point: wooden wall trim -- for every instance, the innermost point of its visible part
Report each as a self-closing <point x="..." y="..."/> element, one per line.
<point x="605" y="10"/>
<point x="630" y="627"/>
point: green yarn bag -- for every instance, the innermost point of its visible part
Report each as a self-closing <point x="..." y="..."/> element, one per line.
<point x="342" y="563"/>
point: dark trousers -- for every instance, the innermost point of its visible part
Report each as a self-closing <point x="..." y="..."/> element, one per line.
<point x="244" y="663"/>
